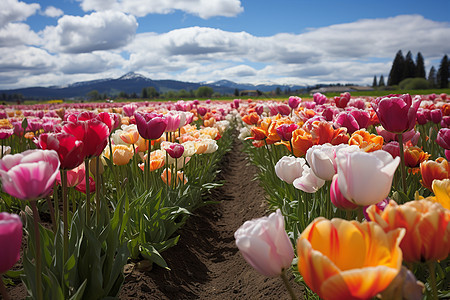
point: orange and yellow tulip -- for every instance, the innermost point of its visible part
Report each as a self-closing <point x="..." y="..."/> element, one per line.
<point x="414" y="156"/>
<point x="341" y="259"/>
<point x="431" y="170"/>
<point x="251" y="119"/>
<point x="441" y="190"/>
<point x="366" y="141"/>
<point x="122" y="154"/>
<point x="427" y="227"/>
<point x="301" y="142"/>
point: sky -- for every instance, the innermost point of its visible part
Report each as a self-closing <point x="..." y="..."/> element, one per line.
<point x="59" y="42"/>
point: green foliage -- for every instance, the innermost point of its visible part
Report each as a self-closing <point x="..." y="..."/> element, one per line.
<point x="414" y="84"/>
<point x="204" y="92"/>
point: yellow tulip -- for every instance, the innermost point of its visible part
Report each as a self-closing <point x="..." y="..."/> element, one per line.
<point x="341" y="259"/>
<point x="441" y="190"/>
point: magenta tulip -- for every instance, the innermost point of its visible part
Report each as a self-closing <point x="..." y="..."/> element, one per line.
<point x="69" y="149"/>
<point x="129" y="109"/>
<point x="265" y="245"/>
<point x="443" y="138"/>
<point x="29" y="175"/>
<point x="10" y="239"/>
<point x="397" y="113"/>
<point x="150" y="127"/>
<point x="319" y="98"/>
<point x="285" y="131"/>
<point x="362" y="117"/>
<point x="5" y="133"/>
<point x="175" y="150"/>
<point x="345" y="119"/>
<point x="436" y="116"/>
<point x="293" y="102"/>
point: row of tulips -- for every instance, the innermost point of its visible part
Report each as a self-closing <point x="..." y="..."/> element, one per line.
<point x="361" y="188"/>
<point x="117" y="183"/>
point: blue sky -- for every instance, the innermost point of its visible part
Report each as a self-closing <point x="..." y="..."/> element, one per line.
<point x="58" y="42"/>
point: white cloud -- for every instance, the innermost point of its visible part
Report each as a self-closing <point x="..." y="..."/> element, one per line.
<point x="13" y="10"/>
<point x="203" y="8"/>
<point x="105" y="44"/>
<point x="52" y="12"/>
<point x="15" y="34"/>
<point x="97" y="31"/>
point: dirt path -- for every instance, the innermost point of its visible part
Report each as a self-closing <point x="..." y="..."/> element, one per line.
<point x="206" y="263"/>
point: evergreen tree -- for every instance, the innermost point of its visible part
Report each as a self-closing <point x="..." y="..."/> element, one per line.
<point x="397" y="71"/>
<point x="381" y="82"/>
<point x="410" y="66"/>
<point x="374" y="83"/>
<point x="144" y="93"/>
<point x="236" y="92"/>
<point x="420" y="66"/>
<point x="443" y="73"/>
<point x="432" y="77"/>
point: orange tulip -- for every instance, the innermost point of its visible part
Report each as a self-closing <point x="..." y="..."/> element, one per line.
<point x="129" y="136"/>
<point x="427" y="227"/>
<point x="323" y="132"/>
<point x="341" y="259"/>
<point x="167" y="173"/>
<point x="251" y="119"/>
<point x="122" y="154"/>
<point x="366" y="141"/>
<point x="414" y="156"/>
<point x="257" y="133"/>
<point x="157" y="160"/>
<point x="301" y="142"/>
<point x="431" y="170"/>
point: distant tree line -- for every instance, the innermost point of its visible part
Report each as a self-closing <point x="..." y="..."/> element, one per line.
<point x="407" y="73"/>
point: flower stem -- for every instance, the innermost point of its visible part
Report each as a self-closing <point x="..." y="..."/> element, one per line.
<point x="88" y="192"/>
<point x="37" y="250"/>
<point x="97" y="188"/>
<point x="65" y="215"/>
<point x="402" y="162"/>
<point x="431" y="267"/>
<point x="288" y="285"/>
<point x="3" y="290"/>
<point x="52" y="212"/>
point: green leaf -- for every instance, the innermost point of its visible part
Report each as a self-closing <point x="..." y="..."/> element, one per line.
<point x="150" y="253"/>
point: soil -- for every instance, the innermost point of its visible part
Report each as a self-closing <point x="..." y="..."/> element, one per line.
<point x="206" y="264"/>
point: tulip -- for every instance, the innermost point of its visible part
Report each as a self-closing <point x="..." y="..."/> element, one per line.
<point x="285" y="131"/>
<point x="404" y="286"/>
<point x="129" y="109"/>
<point x="29" y="175"/>
<point x="366" y="141"/>
<point x="345" y="119"/>
<point x="393" y="148"/>
<point x="6" y="133"/>
<point x="251" y="119"/>
<point x="74" y="176"/>
<point x="308" y="182"/>
<point x="443" y="138"/>
<point x="167" y="174"/>
<point x="397" y="113"/>
<point x="431" y="170"/>
<point x="265" y="245"/>
<point x="90" y="130"/>
<point x="423" y="116"/>
<point x="288" y="168"/>
<point x="150" y="127"/>
<point x="319" y="98"/>
<point x="301" y="142"/>
<point x="174" y="150"/>
<point x="293" y="102"/>
<point x="441" y="190"/>
<point x="337" y="198"/>
<point x="69" y="148"/>
<point x="365" y="178"/>
<point x="322" y="132"/>
<point x="427" y="227"/>
<point x="173" y="122"/>
<point x="10" y="239"/>
<point x="283" y="109"/>
<point x="362" y="117"/>
<point x="436" y="116"/>
<point x="414" y="156"/>
<point x="121" y="154"/>
<point x="321" y="159"/>
<point x="340" y="259"/>
<point x="380" y="205"/>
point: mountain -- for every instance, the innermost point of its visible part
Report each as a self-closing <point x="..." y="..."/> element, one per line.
<point x="133" y="83"/>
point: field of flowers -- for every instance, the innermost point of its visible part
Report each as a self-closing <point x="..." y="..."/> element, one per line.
<point x="360" y="189"/>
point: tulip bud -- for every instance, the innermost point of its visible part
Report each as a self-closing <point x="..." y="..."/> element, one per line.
<point x="10" y="239"/>
<point x="265" y="245"/>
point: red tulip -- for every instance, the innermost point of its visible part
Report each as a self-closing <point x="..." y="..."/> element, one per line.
<point x="397" y="113"/>
<point x="443" y="138"/>
<point x="175" y="150"/>
<point x="69" y="149"/>
<point x="285" y="131"/>
<point x="90" y="130"/>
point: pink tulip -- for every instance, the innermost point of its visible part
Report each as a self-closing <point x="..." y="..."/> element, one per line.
<point x="74" y="176"/>
<point x="443" y="138"/>
<point x="337" y="198"/>
<point x="5" y="133"/>
<point x="423" y="116"/>
<point x="173" y="122"/>
<point x="29" y="175"/>
<point x="283" y="109"/>
<point x="380" y="205"/>
<point x="265" y="245"/>
<point x="436" y="116"/>
<point x="174" y="150"/>
<point x="361" y="116"/>
<point x="397" y="113"/>
<point x="319" y="98"/>
<point x="285" y="131"/>
<point x="308" y="182"/>
<point x="345" y="119"/>
<point x="393" y="148"/>
<point x="129" y="109"/>
<point x="10" y="239"/>
<point x="293" y="102"/>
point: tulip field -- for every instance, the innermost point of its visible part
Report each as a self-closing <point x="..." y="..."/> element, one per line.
<point x="357" y="193"/>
